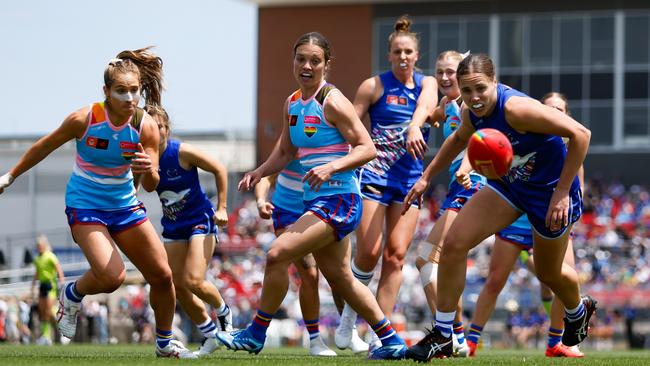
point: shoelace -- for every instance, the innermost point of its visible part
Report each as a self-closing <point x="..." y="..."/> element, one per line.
<point x="428" y="338"/>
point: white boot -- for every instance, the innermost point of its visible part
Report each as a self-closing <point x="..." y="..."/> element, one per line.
<point x="318" y="348"/>
<point x="343" y="333"/>
<point x="357" y="345"/>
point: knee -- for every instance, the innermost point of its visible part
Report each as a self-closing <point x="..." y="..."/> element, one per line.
<point x="494" y="285"/>
<point x="161" y="278"/>
<point x="192" y="283"/>
<point x="111" y="281"/>
<point x="547" y="277"/>
<point x="454" y="247"/>
<point x="275" y="257"/>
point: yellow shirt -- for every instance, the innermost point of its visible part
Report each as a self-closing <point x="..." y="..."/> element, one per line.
<point x="46" y="267"/>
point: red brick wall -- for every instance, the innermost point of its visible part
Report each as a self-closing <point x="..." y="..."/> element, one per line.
<point x="349" y="31"/>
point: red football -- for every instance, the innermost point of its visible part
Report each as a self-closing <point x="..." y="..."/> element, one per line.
<point x="490" y="153"/>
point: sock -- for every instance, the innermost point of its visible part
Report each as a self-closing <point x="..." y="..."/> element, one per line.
<point x="459" y="331"/>
<point x="312" y="328"/>
<point x="554" y="336"/>
<point x="208" y="328"/>
<point x="576" y="313"/>
<point x="385" y="333"/>
<point x="474" y="333"/>
<point x="547" y="302"/>
<point x="223" y="309"/>
<point x="163" y="337"/>
<point x="444" y="322"/>
<point x="72" y="294"/>
<point x="364" y="277"/>
<point x="260" y="324"/>
<point x="46" y="330"/>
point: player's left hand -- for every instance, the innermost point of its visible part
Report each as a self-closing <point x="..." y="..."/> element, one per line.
<point x="141" y="163"/>
<point x="415" y="144"/>
<point x="221" y="217"/>
<point x="557" y="215"/>
<point x="318" y="175"/>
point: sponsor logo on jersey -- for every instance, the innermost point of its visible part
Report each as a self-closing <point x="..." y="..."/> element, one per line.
<point x="127" y="145"/>
<point x="97" y="143"/>
<point x="396" y="100"/>
<point x="312" y="120"/>
<point x="293" y="119"/>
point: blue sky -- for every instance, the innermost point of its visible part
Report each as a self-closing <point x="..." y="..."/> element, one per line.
<point x="54" y="54"/>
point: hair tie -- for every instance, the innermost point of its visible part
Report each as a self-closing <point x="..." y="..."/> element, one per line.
<point x="464" y="55"/>
<point x="115" y="61"/>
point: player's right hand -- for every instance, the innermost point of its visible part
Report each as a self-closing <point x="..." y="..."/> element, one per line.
<point x="5" y="181"/>
<point x="265" y="208"/>
<point x="464" y="179"/>
<point x="249" y="181"/>
<point x="415" y="194"/>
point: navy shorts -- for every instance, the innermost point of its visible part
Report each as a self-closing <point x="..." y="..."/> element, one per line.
<point x="458" y="196"/>
<point x="385" y="195"/>
<point x="283" y="218"/>
<point x="520" y="237"/>
<point x="114" y="220"/>
<point x="201" y="226"/>
<point x="534" y="202"/>
<point x="341" y="211"/>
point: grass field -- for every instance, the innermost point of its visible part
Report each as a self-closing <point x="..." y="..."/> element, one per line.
<point x="17" y="355"/>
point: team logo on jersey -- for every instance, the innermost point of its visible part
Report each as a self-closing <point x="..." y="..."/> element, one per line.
<point x="311" y="120"/>
<point x="396" y="100"/>
<point x="310" y="131"/>
<point x="97" y="143"/>
<point x="293" y="119"/>
<point x="128" y="155"/>
<point x="522" y="167"/>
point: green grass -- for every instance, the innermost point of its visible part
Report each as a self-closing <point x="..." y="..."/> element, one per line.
<point x="16" y="355"/>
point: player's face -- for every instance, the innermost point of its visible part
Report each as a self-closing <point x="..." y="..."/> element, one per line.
<point x="556" y="103"/>
<point x="446" y="76"/>
<point x="309" y="66"/>
<point x="124" y="94"/>
<point x="163" y="130"/>
<point x="403" y="54"/>
<point x="478" y="93"/>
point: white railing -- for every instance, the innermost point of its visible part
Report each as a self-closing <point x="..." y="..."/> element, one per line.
<point x="19" y="288"/>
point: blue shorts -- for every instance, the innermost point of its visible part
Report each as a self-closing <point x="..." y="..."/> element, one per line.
<point x="534" y="202"/>
<point x="202" y="225"/>
<point x="520" y="237"/>
<point x="458" y="196"/>
<point x="114" y="220"/>
<point x="283" y="218"/>
<point x="385" y="195"/>
<point x="341" y="211"/>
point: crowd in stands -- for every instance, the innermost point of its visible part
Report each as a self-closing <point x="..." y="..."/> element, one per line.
<point x="612" y="248"/>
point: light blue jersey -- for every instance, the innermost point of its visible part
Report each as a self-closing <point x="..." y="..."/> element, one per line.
<point x="319" y="142"/>
<point x="451" y="124"/>
<point x="101" y="177"/>
<point x="288" y="188"/>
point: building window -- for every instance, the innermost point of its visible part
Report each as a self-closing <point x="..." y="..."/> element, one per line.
<point x="574" y="53"/>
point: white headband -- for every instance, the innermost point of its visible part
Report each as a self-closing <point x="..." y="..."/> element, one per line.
<point x="115" y="61"/>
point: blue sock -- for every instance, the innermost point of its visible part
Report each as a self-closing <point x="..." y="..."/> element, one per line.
<point x="474" y="333"/>
<point x="163" y="337"/>
<point x="386" y="334"/>
<point x="444" y="322"/>
<point x="554" y="336"/>
<point x="312" y="328"/>
<point x="259" y="325"/>
<point x="575" y="314"/>
<point x="459" y="331"/>
<point x="72" y="294"/>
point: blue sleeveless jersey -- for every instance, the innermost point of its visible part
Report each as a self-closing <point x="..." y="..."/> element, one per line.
<point x="180" y="192"/>
<point x="538" y="158"/>
<point x="390" y="117"/>
<point x="288" y="188"/>
<point x="101" y="177"/>
<point x="319" y="142"/>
